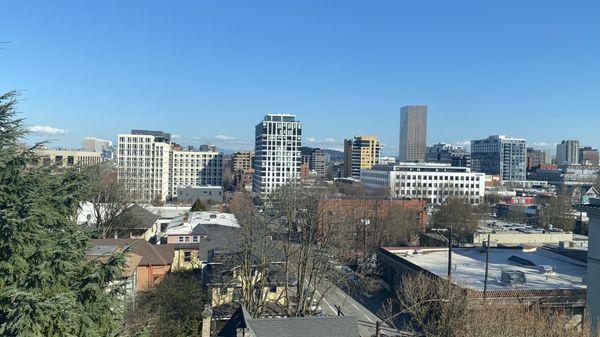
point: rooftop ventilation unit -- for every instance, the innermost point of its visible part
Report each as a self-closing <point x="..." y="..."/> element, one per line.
<point x="512" y="278"/>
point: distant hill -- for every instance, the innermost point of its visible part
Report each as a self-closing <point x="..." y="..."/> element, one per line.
<point x="334" y="154"/>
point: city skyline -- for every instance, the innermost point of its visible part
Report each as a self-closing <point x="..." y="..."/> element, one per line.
<point x="209" y="71"/>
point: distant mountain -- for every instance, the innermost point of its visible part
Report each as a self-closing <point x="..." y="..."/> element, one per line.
<point x="335" y="155"/>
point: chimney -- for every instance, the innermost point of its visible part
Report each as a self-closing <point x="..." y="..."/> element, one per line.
<point x="206" y="321"/>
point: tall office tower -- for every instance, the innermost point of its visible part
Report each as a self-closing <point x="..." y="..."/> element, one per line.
<point x="589" y="156"/>
<point x="154" y="168"/>
<point x="98" y="145"/>
<point x="500" y="155"/>
<point x="456" y="156"/>
<point x="535" y="158"/>
<point x="277" y="152"/>
<point x="143" y="160"/>
<point x="360" y="153"/>
<point x="567" y="152"/>
<point x="413" y="132"/>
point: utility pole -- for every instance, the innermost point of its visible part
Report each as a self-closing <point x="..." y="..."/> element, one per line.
<point x="487" y="263"/>
<point x="450" y="254"/>
<point x="377" y="327"/>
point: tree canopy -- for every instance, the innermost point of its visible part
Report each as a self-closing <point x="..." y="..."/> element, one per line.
<point x="458" y="214"/>
<point x="47" y="286"/>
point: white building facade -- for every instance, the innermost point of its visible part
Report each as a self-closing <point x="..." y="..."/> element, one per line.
<point x="434" y="182"/>
<point x="154" y="168"/>
<point x="194" y="168"/>
<point x="277" y="160"/>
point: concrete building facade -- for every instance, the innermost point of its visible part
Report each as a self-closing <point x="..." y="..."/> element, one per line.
<point x="154" y="168"/>
<point x="68" y="158"/>
<point x="433" y="182"/>
<point x="413" y="132"/>
<point x="535" y="158"/>
<point x="567" y="152"/>
<point x="500" y="155"/>
<point x="278" y="138"/>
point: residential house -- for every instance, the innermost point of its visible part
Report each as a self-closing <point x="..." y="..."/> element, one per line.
<point x="128" y="281"/>
<point x="194" y="234"/>
<point x="137" y="222"/>
<point x="156" y="260"/>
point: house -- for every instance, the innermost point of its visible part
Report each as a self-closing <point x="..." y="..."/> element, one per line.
<point x="137" y="222"/>
<point x="128" y="280"/>
<point x="224" y="278"/>
<point x="155" y="263"/>
<point x="242" y="324"/>
<point x="193" y="235"/>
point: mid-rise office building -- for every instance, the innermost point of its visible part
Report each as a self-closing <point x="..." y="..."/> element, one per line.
<point x="431" y="181"/>
<point x="535" y="158"/>
<point x="153" y="168"/>
<point x="589" y="156"/>
<point x="448" y="154"/>
<point x="360" y="153"/>
<point x="413" y="132"/>
<point x="567" y="152"/>
<point x="67" y="158"/>
<point x="277" y="160"/>
<point x="500" y="155"/>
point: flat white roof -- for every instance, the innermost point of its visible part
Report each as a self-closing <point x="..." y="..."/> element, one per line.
<point x="178" y="227"/>
<point x="468" y="267"/>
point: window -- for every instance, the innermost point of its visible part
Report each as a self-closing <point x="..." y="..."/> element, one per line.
<point x="181" y="239"/>
<point x="195" y="238"/>
<point x="187" y="256"/>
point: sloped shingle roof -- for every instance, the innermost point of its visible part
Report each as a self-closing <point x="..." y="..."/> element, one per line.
<point x="331" y="326"/>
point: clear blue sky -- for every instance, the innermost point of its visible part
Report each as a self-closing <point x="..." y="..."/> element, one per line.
<point x="209" y="71"/>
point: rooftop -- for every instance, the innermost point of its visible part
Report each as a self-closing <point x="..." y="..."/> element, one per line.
<point x="331" y="326"/>
<point x="179" y="226"/>
<point x="468" y="267"/>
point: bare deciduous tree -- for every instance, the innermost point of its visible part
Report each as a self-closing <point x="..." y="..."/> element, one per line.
<point x="109" y="197"/>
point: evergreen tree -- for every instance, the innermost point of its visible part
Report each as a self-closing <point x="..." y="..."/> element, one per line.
<point x="47" y="286"/>
<point x="198" y="206"/>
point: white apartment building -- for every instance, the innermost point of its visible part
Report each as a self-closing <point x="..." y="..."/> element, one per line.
<point x="143" y="163"/>
<point x="195" y="168"/>
<point x="431" y="181"/>
<point x="153" y="167"/>
<point x="277" y="157"/>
